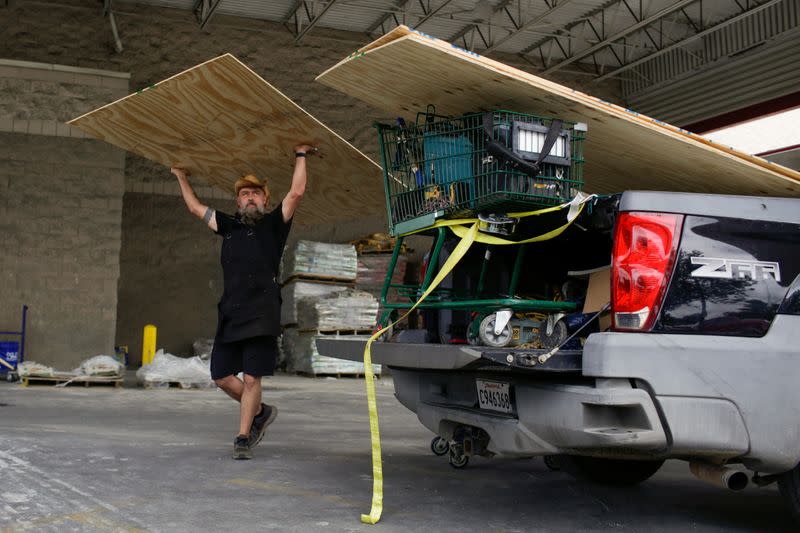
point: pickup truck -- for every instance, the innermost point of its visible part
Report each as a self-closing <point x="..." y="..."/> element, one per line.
<point x="700" y="362"/>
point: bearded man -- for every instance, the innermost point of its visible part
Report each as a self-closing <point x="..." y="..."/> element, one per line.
<point x="249" y="311"/>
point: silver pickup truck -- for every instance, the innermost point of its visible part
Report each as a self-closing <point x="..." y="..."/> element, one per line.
<point x="700" y="362"/>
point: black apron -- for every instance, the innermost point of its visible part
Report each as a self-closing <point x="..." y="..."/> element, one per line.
<point x="251" y="300"/>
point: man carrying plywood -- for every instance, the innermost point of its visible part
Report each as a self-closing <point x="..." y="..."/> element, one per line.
<point x="249" y="311"/>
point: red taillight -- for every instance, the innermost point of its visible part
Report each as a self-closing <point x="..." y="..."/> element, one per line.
<point x="645" y="245"/>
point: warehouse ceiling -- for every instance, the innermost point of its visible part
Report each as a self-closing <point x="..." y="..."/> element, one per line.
<point x="647" y="45"/>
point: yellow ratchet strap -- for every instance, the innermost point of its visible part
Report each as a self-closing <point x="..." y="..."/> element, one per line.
<point x="467" y="229"/>
<point x="377" y="467"/>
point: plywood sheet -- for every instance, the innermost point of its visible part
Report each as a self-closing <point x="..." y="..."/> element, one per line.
<point x="404" y="71"/>
<point x="221" y="120"/>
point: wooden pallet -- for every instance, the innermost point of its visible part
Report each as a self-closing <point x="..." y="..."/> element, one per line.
<point x="374" y="250"/>
<point x="174" y="384"/>
<point x="378" y="243"/>
<point x="337" y="375"/>
<point x="338" y="332"/>
<point x="323" y="280"/>
<point x="86" y="381"/>
<point x="379" y="248"/>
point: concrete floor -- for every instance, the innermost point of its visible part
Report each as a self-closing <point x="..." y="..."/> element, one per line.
<point x="99" y="459"/>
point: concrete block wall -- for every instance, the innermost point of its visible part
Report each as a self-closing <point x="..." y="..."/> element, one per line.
<point x="60" y="212"/>
<point x="171" y="275"/>
<point x="169" y="266"/>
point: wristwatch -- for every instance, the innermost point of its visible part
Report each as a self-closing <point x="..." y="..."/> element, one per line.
<point x="299" y="154"/>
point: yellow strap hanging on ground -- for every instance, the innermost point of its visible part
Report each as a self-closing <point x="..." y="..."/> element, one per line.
<point x="469" y="234"/>
<point x="377" y="467"/>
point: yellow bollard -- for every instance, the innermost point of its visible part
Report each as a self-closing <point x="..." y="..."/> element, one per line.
<point x="148" y="344"/>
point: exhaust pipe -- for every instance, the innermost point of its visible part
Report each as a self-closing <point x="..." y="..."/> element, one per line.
<point x="721" y="476"/>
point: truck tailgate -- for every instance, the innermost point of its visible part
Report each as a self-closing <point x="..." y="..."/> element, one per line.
<point x="450" y="356"/>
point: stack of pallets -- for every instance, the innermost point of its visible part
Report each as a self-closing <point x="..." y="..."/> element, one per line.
<point x="319" y="299"/>
<point x="375" y="261"/>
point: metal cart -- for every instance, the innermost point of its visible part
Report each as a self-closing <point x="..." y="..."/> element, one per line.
<point x="482" y="165"/>
<point x="493" y="162"/>
<point x="493" y="312"/>
<point x="12" y="353"/>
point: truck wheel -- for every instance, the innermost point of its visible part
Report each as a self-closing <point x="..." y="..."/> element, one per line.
<point x="439" y="446"/>
<point x="613" y="472"/>
<point x="789" y="485"/>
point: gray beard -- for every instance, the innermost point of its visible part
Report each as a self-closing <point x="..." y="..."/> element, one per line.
<point x="251" y="217"/>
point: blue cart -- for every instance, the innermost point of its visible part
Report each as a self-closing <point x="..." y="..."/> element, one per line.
<point x="13" y="352"/>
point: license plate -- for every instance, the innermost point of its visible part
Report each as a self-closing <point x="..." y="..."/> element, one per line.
<point x="494" y="395"/>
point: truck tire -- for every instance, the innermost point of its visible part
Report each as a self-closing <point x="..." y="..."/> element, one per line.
<point x="612" y="472"/>
<point x="789" y="485"/>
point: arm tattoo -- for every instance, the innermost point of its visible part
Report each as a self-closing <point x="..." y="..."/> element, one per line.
<point x="208" y="215"/>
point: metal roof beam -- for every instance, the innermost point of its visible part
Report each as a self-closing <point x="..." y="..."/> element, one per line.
<point x="526" y="25"/>
<point x="638" y="18"/>
<point x="503" y="5"/>
<point x="398" y="6"/>
<point x="293" y="12"/>
<point x="204" y="10"/>
<point x="689" y="39"/>
<point x="430" y="13"/>
<point x="642" y="23"/>
<point x="108" y="10"/>
<point x="313" y="19"/>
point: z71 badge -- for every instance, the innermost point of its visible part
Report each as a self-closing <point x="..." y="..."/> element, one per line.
<point x="716" y="267"/>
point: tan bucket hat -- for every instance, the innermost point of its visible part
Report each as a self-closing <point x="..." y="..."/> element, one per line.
<point x="250" y="181"/>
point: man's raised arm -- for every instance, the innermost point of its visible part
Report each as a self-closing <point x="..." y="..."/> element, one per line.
<point x="298" y="187"/>
<point x="192" y="203"/>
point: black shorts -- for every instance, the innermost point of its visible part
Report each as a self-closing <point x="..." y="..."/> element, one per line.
<point x="255" y="356"/>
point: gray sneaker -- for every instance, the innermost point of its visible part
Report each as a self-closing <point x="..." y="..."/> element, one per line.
<point x="241" y="448"/>
<point x="260" y="423"/>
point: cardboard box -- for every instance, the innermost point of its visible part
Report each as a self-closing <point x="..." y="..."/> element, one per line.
<point x="598" y="294"/>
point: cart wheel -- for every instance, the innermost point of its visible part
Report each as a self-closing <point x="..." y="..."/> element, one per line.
<point x="489" y="337"/>
<point x="551" y="462"/>
<point x="556" y="337"/>
<point x="387" y="334"/>
<point x="439" y="446"/>
<point x="458" y="459"/>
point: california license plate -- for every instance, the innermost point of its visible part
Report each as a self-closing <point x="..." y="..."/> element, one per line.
<point x="494" y="395"/>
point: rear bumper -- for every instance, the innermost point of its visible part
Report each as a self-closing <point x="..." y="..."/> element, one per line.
<point x="631" y="395"/>
<point x="612" y="419"/>
<point x="715" y="393"/>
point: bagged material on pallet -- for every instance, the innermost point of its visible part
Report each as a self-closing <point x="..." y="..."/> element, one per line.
<point x="167" y="368"/>
<point x="320" y="260"/>
<point x="378" y="243"/>
<point x="202" y="348"/>
<point x="346" y="310"/>
<point x="295" y="290"/>
<point x="281" y="363"/>
<point x="302" y="355"/>
<point x="100" y="365"/>
<point x="30" y="369"/>
<point x="372" y="269"/>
